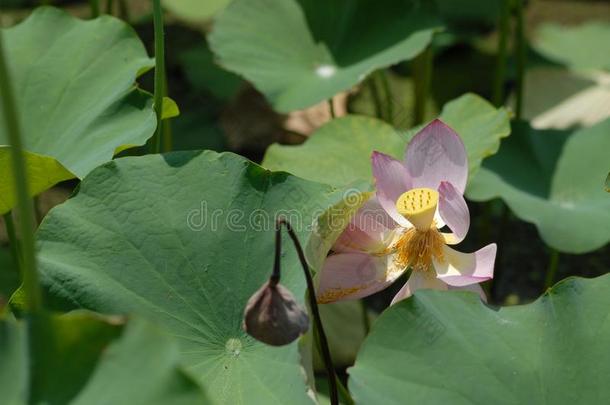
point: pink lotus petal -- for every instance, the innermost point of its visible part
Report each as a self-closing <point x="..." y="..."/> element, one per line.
<point x="368" y="231"/>
<point x="475" y="288"/>
<point x="454" y="212"/>
<point x="460" y="269"/>
<point x="347" y="276"/>
<point x="418" y="280"/>
<point x="437" y="154"/>
<point x="392" y="180"/>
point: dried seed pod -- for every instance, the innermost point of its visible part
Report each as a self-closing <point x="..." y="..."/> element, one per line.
<point x="273" y="316"/>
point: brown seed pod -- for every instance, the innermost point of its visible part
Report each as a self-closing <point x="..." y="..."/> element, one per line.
<point x="273" y="316"/>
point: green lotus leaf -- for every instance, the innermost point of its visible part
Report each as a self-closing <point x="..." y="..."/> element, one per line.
<point x="552" y="179"/>
<point x="185" y="239"/>
<point x="301" y="52"/>
<point x="586" y="46"/>
<point x="342" y="148"/>
<point x="194" y="10"/>
<point x="557" y="98"/>
<point x="74" y="86"/>
<point x="450" y="348"/>
<point x="204" y="74"/>
<point x="43" y="173"/>
<point x="169" y="108"/>
<point x="87" y="355"/>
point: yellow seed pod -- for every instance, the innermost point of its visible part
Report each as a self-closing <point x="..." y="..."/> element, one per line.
<point x="418" y="206"/>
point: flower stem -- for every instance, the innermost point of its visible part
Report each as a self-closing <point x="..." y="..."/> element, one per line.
<point x="501" y="242"/>
<point x="159" y="73"/>
<point x="520" y="49"/>
<point x="500" y="75"/>
<point x="25" y="207"/>
<point x="12" y="237"/>
<point x="331" y="107"/>
<point x="422" y="75"/>
<point x="552" y="269"/>
<point x="366" y="323"/>
<point x="109" y="7"/>
<point x="372" y="83"/>
<point x="124" y="11"/>
<point x="343" y="392"/>
<point x="95" y="8"/>
<point x="383" y="78"/>
<point x="325" y="351"/>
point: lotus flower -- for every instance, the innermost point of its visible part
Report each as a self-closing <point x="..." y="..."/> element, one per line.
<point x="403" y="226"/>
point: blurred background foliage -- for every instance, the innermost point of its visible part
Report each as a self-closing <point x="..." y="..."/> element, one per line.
<point x="566" y="98"/>
<point x="566" y="88"/>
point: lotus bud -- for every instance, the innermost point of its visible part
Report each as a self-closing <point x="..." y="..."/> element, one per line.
<point x="273" y="316"/>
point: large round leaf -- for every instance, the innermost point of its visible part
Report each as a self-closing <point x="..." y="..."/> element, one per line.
<point x="556" y="98"/>
<point x="74" y="85"/>
<point x="450" y="348"/>
<point x="43" y="173"/>
<point x="586" y="46"/>
<point x="185" y="239"/>
<point x="88" y="355"/>
<point x="300" y="52"/>
<point x="552" y="179"/>
<point x="342" y="148"/>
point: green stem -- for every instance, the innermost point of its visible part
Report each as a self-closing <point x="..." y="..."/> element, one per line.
<point x="375" y="96"/>
<point x="124" y="11"/>
<point x="109" y="7"/>
<point x="500" y="75"/>
<point x="389" y="102"/>
<point x="313" y="304"/>
<point x="501" y="242"/>
<point x="12" y="237"/>
<point x="552" y="269"/>
<point x="331" y="107"/>
<point x="343" y="392"/>
<point x="25" y="207"/>
<point x="520" y="49"/>
<point x="422" y="74"/>
<point x="40" y="333"/>
<point x="95" y="8"/>
<point x="366" y="323"/>
<point x="159" y="72"/>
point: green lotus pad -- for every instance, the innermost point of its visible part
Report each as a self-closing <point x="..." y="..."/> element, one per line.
<point x="450" y="348"/>
<point x="89" y="354"/>
<point x="586" y="46"/>
<point x="552" y="179"/>
<point x="75" y="93"/>
<point x="342" y="148"/>
<point x="300" y="52"/>
<point x="185" y="239"/>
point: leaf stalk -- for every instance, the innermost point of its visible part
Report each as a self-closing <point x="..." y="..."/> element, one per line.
<point x="25" y="206"/>
<point x="313" y="304"/>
